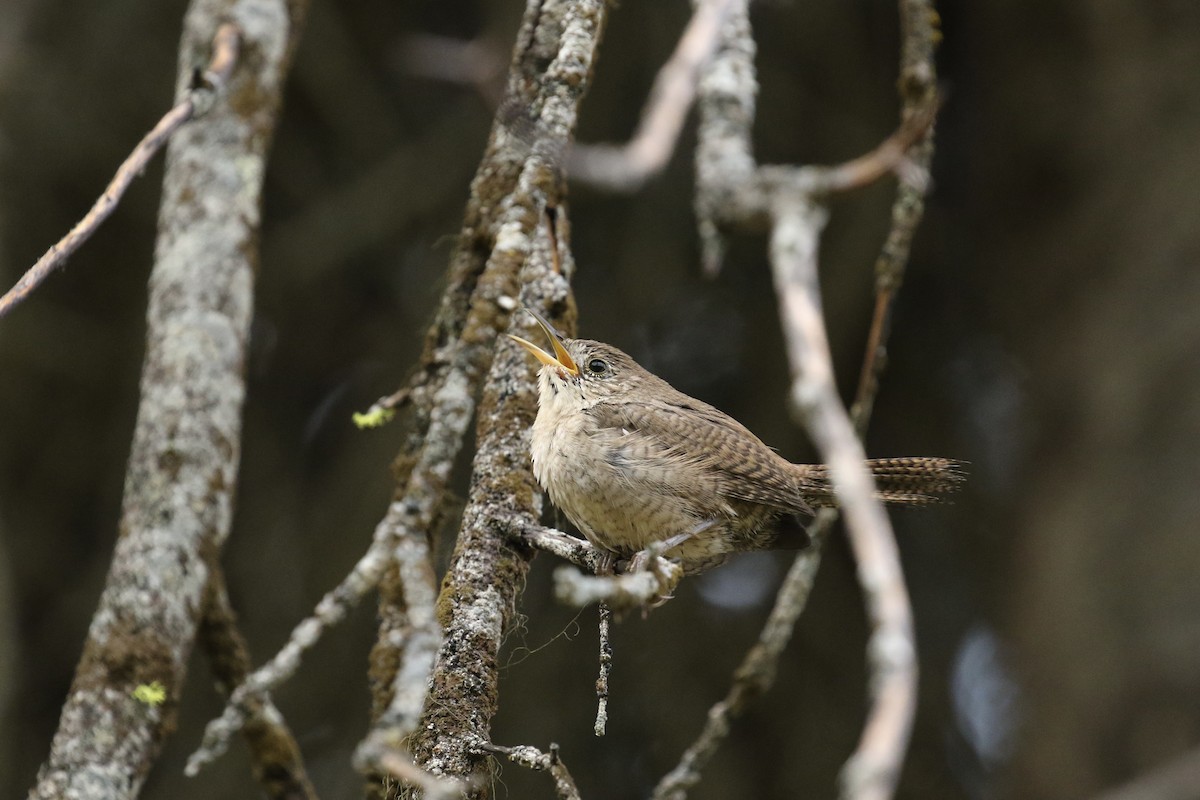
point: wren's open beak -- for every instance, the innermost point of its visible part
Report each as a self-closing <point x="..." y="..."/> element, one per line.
<point x="561" y="358"/>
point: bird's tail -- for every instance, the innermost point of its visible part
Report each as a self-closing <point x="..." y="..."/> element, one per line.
<point x="904" y="481"/>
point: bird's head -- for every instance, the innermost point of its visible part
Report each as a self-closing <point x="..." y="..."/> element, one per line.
<point x="585" y="370"/>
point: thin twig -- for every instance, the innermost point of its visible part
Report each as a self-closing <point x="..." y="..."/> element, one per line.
<point x="606" y="660"/>
<point x="331" y="610"/>
<point x="226" y="43"/>
<point x="532" y="758"/>
<point x="892" y="155"/>
<point x="756" y="673"/>
<point x="918" y="82"/>
<point x="579" y="552"/>
<point x="276" y="758"/>
<point x="624" y="168"/>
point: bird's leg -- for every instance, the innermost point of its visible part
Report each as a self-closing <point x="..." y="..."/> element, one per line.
<point x="643" y="558"/>
<point x="606" y="562"/>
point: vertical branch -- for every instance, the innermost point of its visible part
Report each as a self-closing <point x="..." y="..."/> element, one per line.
<point x="183" y="462"/>
<point x="734" y="192"/>
<point x="918" y="90"/>
<point x="874" y="768"/>
<point x="505" y="245"/>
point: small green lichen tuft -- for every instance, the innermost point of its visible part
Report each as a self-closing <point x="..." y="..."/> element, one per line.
<point x="152" y="694"/>
<point x="373" y="418"/>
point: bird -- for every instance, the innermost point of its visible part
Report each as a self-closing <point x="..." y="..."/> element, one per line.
<point x="634" y="463"/>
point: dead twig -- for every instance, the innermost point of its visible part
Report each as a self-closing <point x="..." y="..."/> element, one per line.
<point x="210" y="83"/>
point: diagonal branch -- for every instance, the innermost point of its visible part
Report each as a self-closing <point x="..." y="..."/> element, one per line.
<point x="276" y="759"/>
<point x="198" y="99"/>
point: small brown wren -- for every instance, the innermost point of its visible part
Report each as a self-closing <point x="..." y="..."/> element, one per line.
<point x="632" y="461"/>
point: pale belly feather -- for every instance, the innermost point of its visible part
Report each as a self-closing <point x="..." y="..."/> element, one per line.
<point x="621" y="498"/>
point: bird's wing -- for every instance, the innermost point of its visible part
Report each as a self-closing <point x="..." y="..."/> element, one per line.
<point x="709" y="444"/>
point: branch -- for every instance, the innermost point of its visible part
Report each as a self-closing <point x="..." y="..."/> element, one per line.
<point x="624" y="168"/>
<point x="178" y="497"/>
<point x="275" y="756"/>
<point x="333" y="608"/>
<point x="733" y="191"/>
<point x="621" y="592"/>
<point x="874" y="768"/>
<point x="196" y="100"/>
<point x="517" y="184"/>
<point x="579" y="552"/>
<point x="532" y="758"/>
<point x="383" y="751"/>
<point x="918" y="81"/>
<point x="756" y="674"/>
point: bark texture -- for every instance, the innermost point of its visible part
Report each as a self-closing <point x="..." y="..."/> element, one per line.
<point x="183" y="464"/>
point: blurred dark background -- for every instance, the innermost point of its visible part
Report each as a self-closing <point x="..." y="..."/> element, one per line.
<point x="1049" y="333"/>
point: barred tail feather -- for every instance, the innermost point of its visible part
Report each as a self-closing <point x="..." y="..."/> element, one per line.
<point x="902" y="481"/>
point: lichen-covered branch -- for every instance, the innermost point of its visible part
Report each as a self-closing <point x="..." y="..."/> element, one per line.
<point x="183" y="462"/>
<point x="505" y="252"/>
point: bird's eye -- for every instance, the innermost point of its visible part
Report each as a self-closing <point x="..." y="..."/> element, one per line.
<point x="597" y="366"/>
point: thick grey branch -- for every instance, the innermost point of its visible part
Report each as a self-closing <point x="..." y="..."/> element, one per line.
<point x="183" y="463"/>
